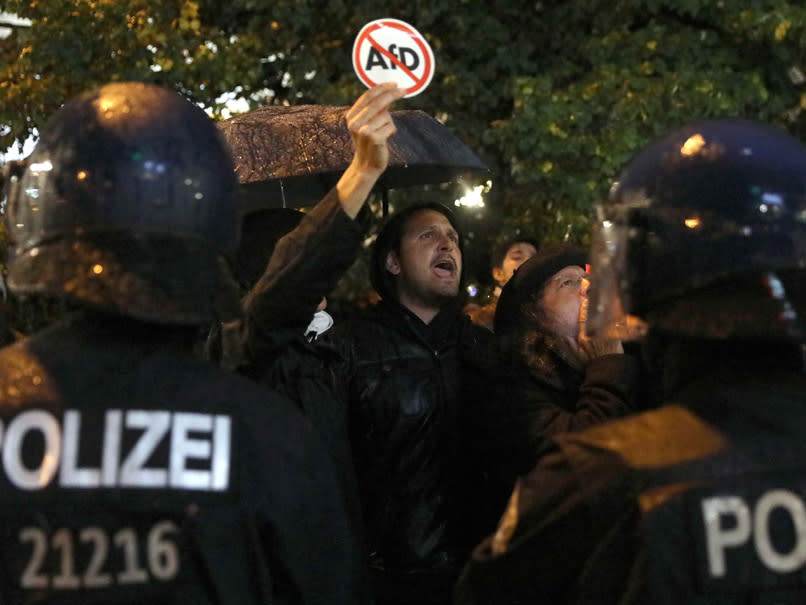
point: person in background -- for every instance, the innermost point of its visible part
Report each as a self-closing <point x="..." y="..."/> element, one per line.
<point x="702" y="499"/>
<point x="133" y="471"/>
<point x="507" y="257"/>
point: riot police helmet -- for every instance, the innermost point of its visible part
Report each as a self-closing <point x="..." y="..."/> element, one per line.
<point x="125" y="206"/>
<point x="704" y="234"/>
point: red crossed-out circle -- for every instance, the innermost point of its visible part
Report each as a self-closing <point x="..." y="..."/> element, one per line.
<point x="365" y="35"/>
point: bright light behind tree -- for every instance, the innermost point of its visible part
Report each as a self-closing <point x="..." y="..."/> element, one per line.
<point x="473" y="196"/>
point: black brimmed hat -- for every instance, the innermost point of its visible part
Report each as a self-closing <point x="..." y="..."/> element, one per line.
<point x="528" y="280"/>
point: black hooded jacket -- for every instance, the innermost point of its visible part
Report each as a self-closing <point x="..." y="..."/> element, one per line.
<point x="410" y="387"/>
<point x="392" y="397"/>
<point x="389" y="394"/>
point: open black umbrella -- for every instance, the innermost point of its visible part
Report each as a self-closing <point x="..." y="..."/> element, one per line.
<point x="291" y="156"/>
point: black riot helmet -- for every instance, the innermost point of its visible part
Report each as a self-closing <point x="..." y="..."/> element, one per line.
<point x="125" y="206"/>
<point x="704" y="235"/>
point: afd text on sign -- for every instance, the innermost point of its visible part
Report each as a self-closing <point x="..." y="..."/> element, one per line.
<point x="389" y="50"/>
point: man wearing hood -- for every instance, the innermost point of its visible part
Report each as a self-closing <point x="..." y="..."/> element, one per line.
<point x="416" y="369"/>
<point x="392" y="387"/>
<point x="386" y="390"/>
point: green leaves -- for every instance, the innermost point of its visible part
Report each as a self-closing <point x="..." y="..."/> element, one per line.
<point x="645" y="68"/>
<point x="554" y="96"/>
<point x="74" y="45"/>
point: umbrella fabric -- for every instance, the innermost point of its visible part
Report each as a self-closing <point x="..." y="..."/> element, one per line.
<point x="291" y="156"/>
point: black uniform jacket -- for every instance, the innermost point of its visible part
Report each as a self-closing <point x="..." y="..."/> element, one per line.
<point x="134" y="473"/>
<point x="699" y="502"/>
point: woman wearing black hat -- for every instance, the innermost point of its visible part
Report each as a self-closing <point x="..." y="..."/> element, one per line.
<point x="554" y="378"/>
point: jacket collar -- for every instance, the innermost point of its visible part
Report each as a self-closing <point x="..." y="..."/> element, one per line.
<point x="445" y="329"/>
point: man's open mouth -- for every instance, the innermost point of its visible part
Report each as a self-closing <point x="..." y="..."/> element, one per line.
<point x="445" y="267"/>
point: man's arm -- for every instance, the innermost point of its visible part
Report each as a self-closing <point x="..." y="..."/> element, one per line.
<point x="370" y="125"/>
<point x="307" y="263"/>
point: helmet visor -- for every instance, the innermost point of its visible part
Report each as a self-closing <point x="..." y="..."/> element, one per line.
<point x="608" y="298"/>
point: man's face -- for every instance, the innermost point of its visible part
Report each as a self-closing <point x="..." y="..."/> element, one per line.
<point x="562" y="297"/>
<point x="429" y="264"/>
<point x="517" y="254"/>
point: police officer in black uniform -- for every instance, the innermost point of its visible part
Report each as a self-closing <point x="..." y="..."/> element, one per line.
<point x="130" y="472"/>
<point x="702" y="500"/>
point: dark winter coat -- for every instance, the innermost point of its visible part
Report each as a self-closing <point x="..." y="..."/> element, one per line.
<point x="548" y="397"/>
<point x="409" y="386"/>
<point x="698" y="502"/>
<point x="388" y="393"/>
<point x="146" y="475"/>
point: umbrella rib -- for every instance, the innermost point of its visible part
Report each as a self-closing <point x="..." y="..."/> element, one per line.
<point x="282" y="192"/>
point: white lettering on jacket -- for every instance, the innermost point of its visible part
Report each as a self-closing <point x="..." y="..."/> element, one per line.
<point x="199" y="450"/>
<point x="730" y="523"/>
